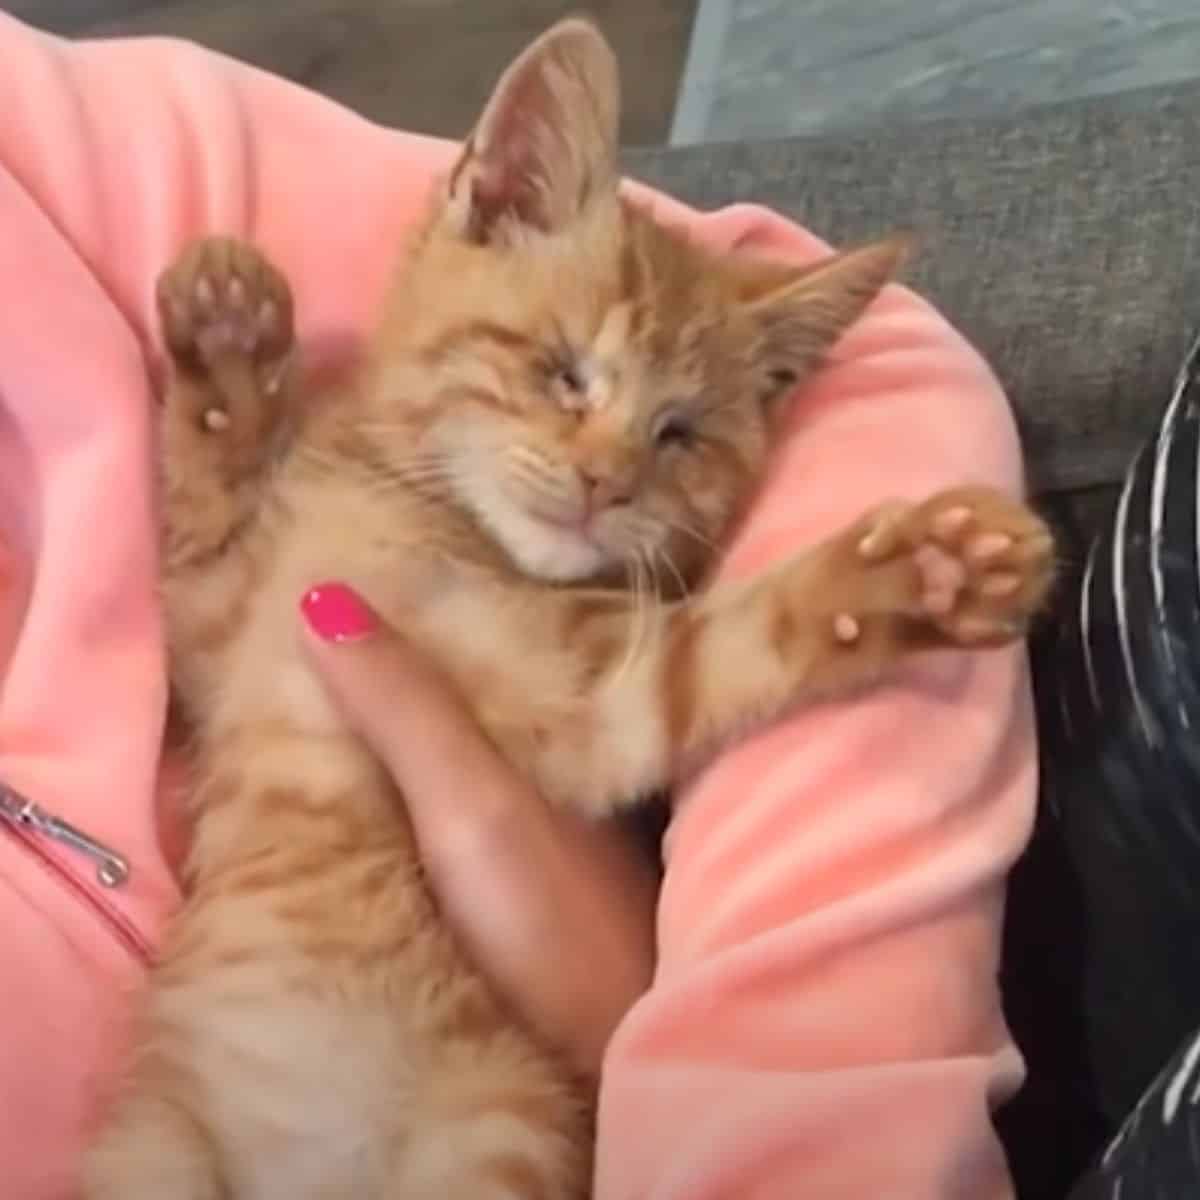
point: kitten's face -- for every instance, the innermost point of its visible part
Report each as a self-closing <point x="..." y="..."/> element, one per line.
<point x="605" y="391"/>
<point x="599" y="409"/>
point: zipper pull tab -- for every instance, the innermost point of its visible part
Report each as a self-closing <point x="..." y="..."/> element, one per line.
<point x="112" y="869"/>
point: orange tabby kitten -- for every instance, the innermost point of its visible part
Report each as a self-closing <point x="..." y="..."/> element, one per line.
<point x="561" y="391"/>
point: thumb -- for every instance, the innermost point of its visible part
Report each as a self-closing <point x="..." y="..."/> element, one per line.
<point x="407" y="711"/>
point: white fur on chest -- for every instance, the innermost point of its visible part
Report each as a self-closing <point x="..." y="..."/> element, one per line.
<point x="358" y="540"/>
<point x="474" y="624"/>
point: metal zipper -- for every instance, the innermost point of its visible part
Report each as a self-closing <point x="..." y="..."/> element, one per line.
<point x="112" y="869"/>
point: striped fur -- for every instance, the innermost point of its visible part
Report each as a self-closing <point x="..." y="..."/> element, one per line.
<point x="566" y="408"/>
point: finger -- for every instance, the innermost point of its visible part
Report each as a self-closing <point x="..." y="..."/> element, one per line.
<point x="524" y="886"/>
<point x="421" y="729"/>
<point x="405" y="709"/>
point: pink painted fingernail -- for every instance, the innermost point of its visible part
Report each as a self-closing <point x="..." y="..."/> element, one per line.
<point x="336" y="613"/>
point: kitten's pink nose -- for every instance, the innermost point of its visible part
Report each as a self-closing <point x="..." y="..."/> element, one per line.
<point x="605" y="488"/>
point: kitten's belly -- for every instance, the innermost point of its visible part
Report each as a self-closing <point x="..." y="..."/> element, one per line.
<point x="312" y="1127"/>
<point x="302" y="1093"/>
<point x="289" y="994"/>
<point x="306" y="1168"/>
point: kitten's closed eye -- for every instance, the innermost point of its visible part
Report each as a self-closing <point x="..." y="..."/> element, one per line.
<point x="568" y="382"/>
<point x="673" y="427"/>
<point x="569" y="376"/>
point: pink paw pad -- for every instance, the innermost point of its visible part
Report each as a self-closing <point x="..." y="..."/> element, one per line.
<point x="951" y="522"/>
<point x="942" y="578"/>
<point x="985" y="546"/>
<point x="846" y="629"/>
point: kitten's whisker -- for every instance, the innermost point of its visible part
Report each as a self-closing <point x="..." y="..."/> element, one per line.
<point x="415" y="470"/>
<point x="650" y="555"/>
<point x="429" y="460"/>
<point x="669" y="563"/>
<point x="318" y="458"/>
<point x="423" y="475"/>
<point x="539" y="474"/>
<point x="419" y="471"/>
<point x="691" y="531"/>
<point x="543" y="484"/>
<point x="528" y="458"/>
<point x="650" y="606"/>
<point x="385" y="428"/>
<point x="635" y="624"/>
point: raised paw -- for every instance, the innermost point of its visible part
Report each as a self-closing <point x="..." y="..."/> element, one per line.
<point x="227" y="319"/>
<point x="983" y="562"/>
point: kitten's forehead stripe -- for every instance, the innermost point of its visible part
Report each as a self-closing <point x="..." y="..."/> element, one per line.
<point x="474" y="332"/>
<point x="614" y="334"/>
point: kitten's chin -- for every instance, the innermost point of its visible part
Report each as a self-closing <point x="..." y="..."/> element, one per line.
<point x="543" y="549"/>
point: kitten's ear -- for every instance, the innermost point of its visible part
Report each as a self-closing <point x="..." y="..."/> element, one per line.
<point x="803" y="313"/>
<point x="547" y="141"/>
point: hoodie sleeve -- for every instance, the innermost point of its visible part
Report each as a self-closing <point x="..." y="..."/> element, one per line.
<point x="825" y="1019"/>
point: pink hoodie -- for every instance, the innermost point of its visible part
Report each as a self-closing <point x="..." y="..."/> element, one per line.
<point x="825" y="1020"/>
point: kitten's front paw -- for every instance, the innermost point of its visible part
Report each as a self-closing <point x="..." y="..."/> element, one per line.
<point x="227" y="318"/>
<point x="983" y="563"/>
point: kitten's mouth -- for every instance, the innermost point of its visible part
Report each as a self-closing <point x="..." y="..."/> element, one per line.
<point x="547" y="536"/>
<point x="559" y="545"/>
<point x="575" y="521"/>
<point x="580" y="528"/>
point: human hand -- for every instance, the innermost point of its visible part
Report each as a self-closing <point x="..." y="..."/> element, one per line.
<point x="557" y="912"/>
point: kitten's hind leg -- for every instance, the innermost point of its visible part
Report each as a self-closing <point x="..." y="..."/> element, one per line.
<point x="227" y="319"/>
<point x="153" y="1150"/>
